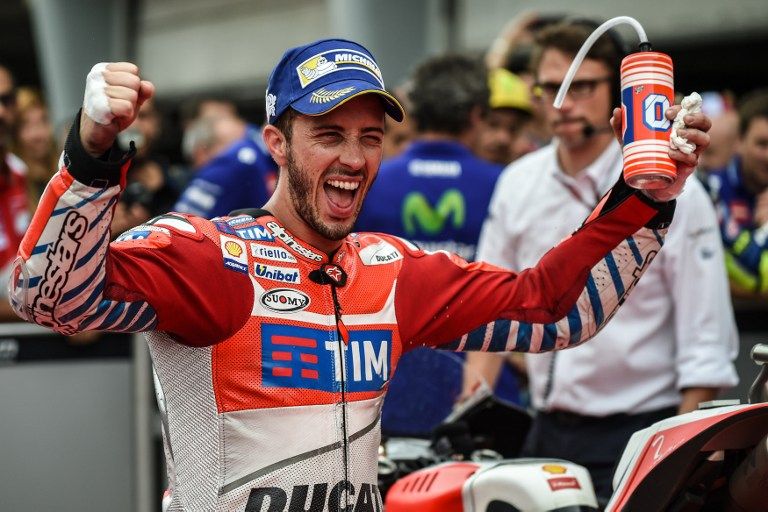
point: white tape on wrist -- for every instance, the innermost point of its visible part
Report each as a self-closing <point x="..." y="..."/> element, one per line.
<point x="691" y="105"/>
<point x="95" y="101"/>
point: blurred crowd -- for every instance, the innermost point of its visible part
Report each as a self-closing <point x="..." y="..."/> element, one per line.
<point x="469" y="119"/>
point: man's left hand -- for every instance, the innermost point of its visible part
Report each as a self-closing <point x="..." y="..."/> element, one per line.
<point x="696" y="128"/>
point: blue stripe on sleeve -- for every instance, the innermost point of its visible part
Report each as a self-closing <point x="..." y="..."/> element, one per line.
<point x="90" y="254"/>
<point x="615" y="275"/>
<point x="635" y="250"/>
<point x="499" y="336"/>
<point x="658" y="236"/>
<point x="475" y="339"/>
<point x="97" y="291"/>
<point x="524" y="333"/>
<point x="85" y="201"/>
<point x="146" y="322"/>
<point x="130" y="315"/>
<point x="113" y="315"/>
<point x="574" y="324"/>
<point x="103" y="212"/>
<point x="549" y="337"/>
<point x="77" y="290"/>
<point x="594" y="300"/>
<point x="40" y="249"/>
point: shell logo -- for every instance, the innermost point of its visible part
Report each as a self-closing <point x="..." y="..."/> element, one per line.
<point x="233" y="248"/>
<point x="554" y="469"/>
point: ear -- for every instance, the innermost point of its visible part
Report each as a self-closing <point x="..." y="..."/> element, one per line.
<point x="276" y="144"/>
<point x="476" y="116"/>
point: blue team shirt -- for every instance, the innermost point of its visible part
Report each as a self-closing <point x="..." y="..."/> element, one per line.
<point x="242" y="176"/>
<point x="435" y="194"/>
<point x="745" y="242"/>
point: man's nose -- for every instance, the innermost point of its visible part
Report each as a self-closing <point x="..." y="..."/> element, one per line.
<point x="352" y="156"/>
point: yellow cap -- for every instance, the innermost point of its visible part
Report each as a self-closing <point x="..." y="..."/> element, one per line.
<point x="508" y="91"/>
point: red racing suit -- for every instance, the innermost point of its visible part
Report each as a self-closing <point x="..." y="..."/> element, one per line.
<point x="272" y="358"/>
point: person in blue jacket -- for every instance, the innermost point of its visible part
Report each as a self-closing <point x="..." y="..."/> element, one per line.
<point x="241" y="176"/>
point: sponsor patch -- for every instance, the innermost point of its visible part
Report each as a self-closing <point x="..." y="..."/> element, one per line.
<point x="224" y="227"/>
<point x="239" y="220"/>
<point x="300" y="357"/>
<point x="285" y="300"/>
<point x="142" y="233"/>
<point x="330" y="61"/>
<point x="562" y="483"/>
<point x="341" y="496"/>
<point x="554" y="469"/>
<point x="271" y="252"/>
<point x="288" y="240"/>
<point x="280" y="274"/>
<point x="235" y="255"/>
<point x="255" y="233"/>
<point x="380" y="254"/>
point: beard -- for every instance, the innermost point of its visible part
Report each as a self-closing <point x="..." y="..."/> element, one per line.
<point x="300" y="192"/>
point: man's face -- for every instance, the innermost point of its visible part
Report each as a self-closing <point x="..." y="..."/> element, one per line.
<point x="754" y="153"/>
<point x="7" y="106"/>
<point x="588" y="102"/>
<point x="498" y="134"/>
<point x="332" y="162"/>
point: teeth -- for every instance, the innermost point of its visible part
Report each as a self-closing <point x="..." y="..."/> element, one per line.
<point x="346" y="185"/>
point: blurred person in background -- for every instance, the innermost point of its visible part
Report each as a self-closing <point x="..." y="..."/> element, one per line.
<point x="240" y="175"/>
<point x="14" y="204"/>
<point x="397" y="136"/>
<point x="34" y="142"/>
<point x="206" y="137"/>
<point x="509" y="113"/>
<point x="673" y="343"/>
<point x="724" y="134"/>
<point x="435" y="194"/>
<point x="511" y="50"/>
<point x="740" y="193"/>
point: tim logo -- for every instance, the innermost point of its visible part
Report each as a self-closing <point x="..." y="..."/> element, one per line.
<point x="255" y="233"/>
<point x="300" y="357"/>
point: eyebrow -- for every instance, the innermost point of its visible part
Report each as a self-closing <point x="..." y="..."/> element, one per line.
<point x="339" y="128"/>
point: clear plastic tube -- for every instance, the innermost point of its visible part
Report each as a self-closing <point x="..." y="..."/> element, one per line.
<point x="586" y="47"/>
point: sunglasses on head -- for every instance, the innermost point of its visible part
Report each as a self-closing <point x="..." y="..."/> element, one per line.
<point x="8" y="99"/>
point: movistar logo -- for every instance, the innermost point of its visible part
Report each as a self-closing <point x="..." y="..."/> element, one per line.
<point x="418" y="214"/>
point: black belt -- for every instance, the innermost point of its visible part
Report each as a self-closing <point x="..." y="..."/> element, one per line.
<point x="571" y="419"/>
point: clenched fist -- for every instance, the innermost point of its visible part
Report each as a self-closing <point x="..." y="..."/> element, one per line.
<point x="113" y="94"/>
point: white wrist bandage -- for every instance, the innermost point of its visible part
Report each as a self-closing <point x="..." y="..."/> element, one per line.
<point x="691" y="105"/>
<point x="95" y="101"/>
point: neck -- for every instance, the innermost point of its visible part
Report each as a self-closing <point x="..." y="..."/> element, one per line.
<point x="575" y="159"/>
<point x="292" y="221"/>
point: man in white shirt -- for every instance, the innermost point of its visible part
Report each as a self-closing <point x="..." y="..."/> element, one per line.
<point x="672" y="344"/>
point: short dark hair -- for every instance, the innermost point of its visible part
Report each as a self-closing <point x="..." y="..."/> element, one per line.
<point x="445" y="90"/>
<point x="753" y="106"/>
<point x="568" y="36"/>
<point x="284" y="123"/>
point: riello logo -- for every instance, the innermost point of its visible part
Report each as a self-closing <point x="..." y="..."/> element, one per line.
<point x="285" y="300"/>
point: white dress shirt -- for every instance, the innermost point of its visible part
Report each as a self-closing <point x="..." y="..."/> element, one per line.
<point x="676" y="330"/>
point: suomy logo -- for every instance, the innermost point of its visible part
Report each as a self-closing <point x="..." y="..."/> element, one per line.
<point x="285" y="300"/>
<point x="418" y="212"/>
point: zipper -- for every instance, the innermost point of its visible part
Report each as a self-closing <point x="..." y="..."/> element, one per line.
<point x="342" y="339"/>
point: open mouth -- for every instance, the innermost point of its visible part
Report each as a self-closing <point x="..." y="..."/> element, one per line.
<point x="341" y="196"/>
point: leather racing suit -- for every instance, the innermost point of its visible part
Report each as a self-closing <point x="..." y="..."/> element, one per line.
<point x="271" y="358"/>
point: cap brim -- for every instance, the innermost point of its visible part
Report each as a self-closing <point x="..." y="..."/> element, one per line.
<point x="328" y="97"/>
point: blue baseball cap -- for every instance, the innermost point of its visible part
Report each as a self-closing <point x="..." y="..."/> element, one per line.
<point x="318" y="77"/>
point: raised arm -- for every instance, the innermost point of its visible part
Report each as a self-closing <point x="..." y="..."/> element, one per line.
<point x="68" y="276"/>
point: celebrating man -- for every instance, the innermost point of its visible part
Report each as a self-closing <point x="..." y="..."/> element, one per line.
<point x="274" y="332"/>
